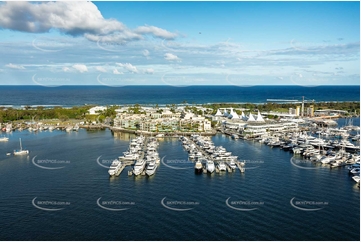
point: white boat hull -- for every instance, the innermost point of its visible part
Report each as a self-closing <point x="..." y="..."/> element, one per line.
<point x="151" y="172"/>
<point x="22" y="152"/>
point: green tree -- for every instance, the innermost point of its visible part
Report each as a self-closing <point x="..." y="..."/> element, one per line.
<point x="63" y="117"/>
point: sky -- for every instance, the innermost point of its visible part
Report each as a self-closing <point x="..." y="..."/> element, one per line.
<point x="179" y="43"/>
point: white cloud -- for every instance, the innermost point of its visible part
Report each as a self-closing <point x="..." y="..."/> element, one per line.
<point x="66" y="69"/>
<point x="129" y="67"/>
<point x="13" y="66"/>
<point x="73" y="18"/>
<point x="149" y="71"/>
<point x="116" y="72"/>
<point x="80" y="67"/>
<point x="170" y="57"/>
<point x="155" y="31"/>
<point x="118" y="37"/>
<point x="101" y="69"/>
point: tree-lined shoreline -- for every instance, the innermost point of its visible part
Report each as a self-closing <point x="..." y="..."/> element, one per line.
<point x="9" y="114"/>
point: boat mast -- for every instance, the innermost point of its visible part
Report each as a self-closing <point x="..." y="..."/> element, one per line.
<point x="21" y="148"/>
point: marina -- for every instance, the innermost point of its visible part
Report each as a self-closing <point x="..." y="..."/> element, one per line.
<point x="209" y="162"/>
<point x="142" y="155"/>
<point x="175" y="184"/>
<point x="204" y="153"/>
<point x="180" y="121"/>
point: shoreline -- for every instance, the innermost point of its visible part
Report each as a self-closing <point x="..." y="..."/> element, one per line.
<point x="69" y="106"/>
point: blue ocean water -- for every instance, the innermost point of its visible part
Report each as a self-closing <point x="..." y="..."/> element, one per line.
<point x="268" y="187"/>
<point x="103" y="95"/>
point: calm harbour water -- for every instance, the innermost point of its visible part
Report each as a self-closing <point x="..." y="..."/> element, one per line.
<point x="270" y="183"/>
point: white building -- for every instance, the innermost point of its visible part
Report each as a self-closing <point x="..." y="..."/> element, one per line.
<point x="259" y="118"/>
<point x="251" y="118"/>
<point x="97" y="110"/>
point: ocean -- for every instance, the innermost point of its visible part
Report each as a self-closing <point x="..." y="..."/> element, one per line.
<point x="75" y="199"/>
<point x="102" y="95"/>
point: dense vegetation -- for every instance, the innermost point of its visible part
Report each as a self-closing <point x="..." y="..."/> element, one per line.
<point x="81" y="113"/>
<point x="351" y="107"/>
<point x="40" y="113"/>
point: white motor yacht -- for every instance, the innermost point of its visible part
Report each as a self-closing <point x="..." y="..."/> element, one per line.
<point x="151" y="168"/>
<point x="139" y="167"/>
<point x="221" y="166"/>
<point x="355" y="171"/>
<point x="198" y="167"/>
<point x="356" y="179"/>
<point x="210" y="166"/>
<point x="328" y="159"/>
<point x="2" y="139"/>
<point x="115" y="168"/>
<point x="232" y="164"/>
<point x="129" y="156"/>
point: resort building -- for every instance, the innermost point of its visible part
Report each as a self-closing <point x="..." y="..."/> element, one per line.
<point x="165" y="121"/>
<point x="329" y="112"/>
<point x="96" y="110"/>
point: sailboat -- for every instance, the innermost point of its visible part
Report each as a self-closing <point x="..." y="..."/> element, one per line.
<point x="21" y="151"/>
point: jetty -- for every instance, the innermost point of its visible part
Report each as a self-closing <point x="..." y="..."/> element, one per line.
<point x="203" y="149"/>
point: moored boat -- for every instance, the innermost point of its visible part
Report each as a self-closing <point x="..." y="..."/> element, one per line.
<point x="151" y="168"/>
<point x="21" y="151"/>
<point x="139" y="167"/>
<point x="221" y="166"/>
<point x="115" y="168"/>
<point x="198" y="167"/>
<point x="210" y="166"/>
<point x="4" y="139"/>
